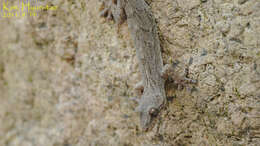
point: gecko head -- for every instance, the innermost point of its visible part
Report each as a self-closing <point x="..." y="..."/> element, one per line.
<point x="147" y="117"/>
<point x="149" y="108"/>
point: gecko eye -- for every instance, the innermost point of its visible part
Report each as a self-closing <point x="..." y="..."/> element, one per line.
<point x="153" y="112"/>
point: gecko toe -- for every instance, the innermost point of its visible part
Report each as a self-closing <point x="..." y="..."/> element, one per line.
<point x="104" y="12"/>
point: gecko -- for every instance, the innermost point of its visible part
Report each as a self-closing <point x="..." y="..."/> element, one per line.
<point x="143" y="30"/>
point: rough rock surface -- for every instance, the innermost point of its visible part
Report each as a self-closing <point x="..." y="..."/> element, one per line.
<point x="66" y="76"/>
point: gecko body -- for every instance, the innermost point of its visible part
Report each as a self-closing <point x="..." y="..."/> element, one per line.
<point x="143" y="30"/>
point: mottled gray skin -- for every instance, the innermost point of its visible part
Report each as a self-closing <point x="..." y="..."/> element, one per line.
<point x="143" y="29"/>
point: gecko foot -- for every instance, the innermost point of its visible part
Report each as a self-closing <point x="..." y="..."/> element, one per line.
<point x="113" y="10"/>
<point x="167" y="71"/>
<point x="135" y="99"/>
<point x="169" y="75"/>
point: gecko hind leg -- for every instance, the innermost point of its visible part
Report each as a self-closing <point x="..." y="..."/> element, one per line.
<point x="113" y="10"/>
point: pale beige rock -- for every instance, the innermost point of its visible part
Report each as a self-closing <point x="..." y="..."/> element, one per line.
<point x="66" y="76"/>
<point x="237" y="118"/>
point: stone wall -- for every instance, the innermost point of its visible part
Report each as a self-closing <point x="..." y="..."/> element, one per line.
<point x="66" y="76"/>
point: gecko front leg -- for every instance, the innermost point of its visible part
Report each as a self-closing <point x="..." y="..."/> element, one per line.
<point x="139" y="88"/>
<point x="168" y="73"/>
